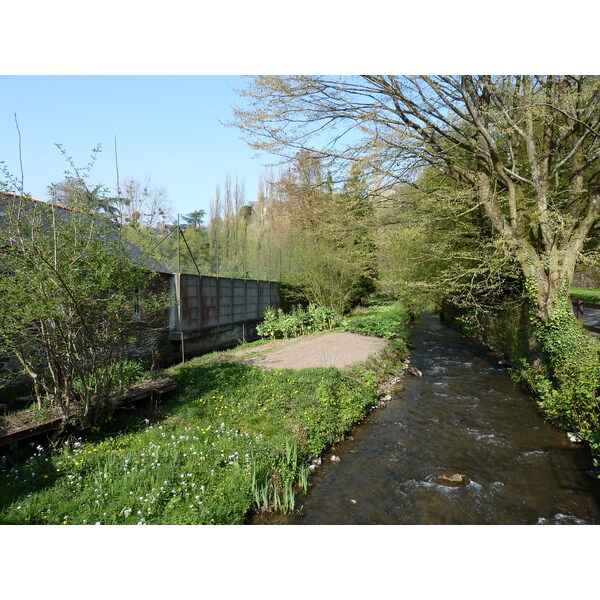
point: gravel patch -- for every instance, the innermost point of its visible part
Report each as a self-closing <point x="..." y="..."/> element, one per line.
<point x="340" y="349"/>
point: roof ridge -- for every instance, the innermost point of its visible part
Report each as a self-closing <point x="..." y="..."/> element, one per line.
<point x="46" y="203"/>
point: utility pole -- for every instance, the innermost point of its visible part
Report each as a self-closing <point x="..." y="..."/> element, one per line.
<point x="178" y="250"/>
<point x="178" y="283"/>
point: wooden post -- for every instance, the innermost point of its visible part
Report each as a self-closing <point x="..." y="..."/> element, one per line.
<point x="200" y="319"/>
<point x="179" y="300"/>
<point x="580" y="307"/>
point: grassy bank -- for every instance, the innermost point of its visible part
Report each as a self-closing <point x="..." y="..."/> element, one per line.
<point x="236" y="439"/>
<point x="591" y="295"/>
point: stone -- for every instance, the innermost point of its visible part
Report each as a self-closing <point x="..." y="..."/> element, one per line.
<point x="335" y="458"/>
<point x="574" y="437"/>
<point x="451" y="479"/>
<point x="414" y="371"/>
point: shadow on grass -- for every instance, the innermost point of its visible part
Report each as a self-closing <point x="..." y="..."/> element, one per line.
<point x="213" y="376"/>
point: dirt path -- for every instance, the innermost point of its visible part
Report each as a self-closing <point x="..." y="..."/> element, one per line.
<point x="340" y="349"/>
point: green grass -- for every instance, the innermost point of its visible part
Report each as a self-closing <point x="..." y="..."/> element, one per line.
<point x="591" y="295"/>
<point x="236" y="439"/>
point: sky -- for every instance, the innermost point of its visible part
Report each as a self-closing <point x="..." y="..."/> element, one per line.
<point x="159" y="77"/>
<point x="162" y="81"/>
<point x="169" y="128"/>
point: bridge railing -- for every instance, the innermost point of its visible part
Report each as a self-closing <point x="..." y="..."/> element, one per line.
<point x="579" y="307"/>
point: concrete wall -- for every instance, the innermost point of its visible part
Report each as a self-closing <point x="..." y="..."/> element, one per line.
<point x="216" y="312"/>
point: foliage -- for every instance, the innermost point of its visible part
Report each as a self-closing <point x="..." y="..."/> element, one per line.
<point x="327" y="233"/>
<point x="120" y="375"/>
<point x="68" y="313"/>
<point x="236" y="439"/>
<point x="386" y="321"/>
<point x="568" y="378"/>
<point x="591" y="295"/>
<point x="277" y="324"/>
<point x="435" y="248"/>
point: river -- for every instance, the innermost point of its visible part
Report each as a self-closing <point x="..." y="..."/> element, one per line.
<point x="464" y="416"/>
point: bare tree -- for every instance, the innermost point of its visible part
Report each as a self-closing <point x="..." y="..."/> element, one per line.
<point x="526" y="149"/>
<point x="144" y="204"/>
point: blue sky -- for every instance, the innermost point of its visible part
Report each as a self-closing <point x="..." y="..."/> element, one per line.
<point x="167" y="128"/>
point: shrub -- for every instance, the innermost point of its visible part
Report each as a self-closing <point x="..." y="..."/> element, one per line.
<point x="68" y="309"/>
<point x="385" y="321"/>
<point x="277" y="324"/>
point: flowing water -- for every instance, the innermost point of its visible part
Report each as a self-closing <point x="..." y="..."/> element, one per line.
<point x="464" y="416"/>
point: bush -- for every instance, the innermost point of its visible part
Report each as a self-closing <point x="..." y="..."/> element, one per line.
<point x="68" y="305"/>
<point x="385" y="321"/>
<point x="277" y="324"/>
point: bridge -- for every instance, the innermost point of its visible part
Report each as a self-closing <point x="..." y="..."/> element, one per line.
<point x="588" y="315"/>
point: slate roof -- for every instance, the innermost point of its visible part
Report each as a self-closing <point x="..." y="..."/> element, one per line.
<point x="8" y="203"/>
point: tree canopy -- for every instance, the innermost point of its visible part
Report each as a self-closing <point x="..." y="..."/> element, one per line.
<point x="525" y="149"/>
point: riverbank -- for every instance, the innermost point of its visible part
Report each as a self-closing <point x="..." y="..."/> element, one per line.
<point x="236" y="439"/>
<point x="557" y="363"/>
<point x="461" y="445"/>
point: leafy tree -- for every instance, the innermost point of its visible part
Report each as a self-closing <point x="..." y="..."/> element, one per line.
<point x="525" y="149"/>
<point x="68" y="290"/>
<point x="195" y="218"/>
<point x="326" y="234"/>
<point x="72" y="193"/>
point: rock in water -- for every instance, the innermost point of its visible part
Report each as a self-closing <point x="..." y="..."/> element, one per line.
<point x="451" y="479"/>
<point x="414" y="371"/>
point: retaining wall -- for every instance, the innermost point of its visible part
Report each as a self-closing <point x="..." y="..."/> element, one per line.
<point x="212" y="313"/>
